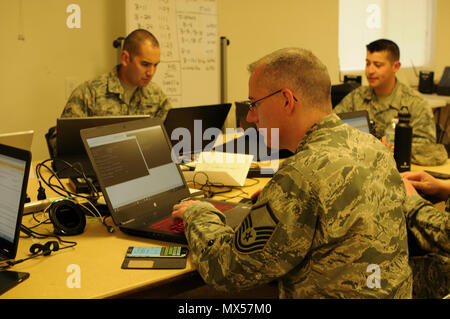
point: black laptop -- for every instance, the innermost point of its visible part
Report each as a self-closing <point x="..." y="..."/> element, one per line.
<point x="251" y="142"/>
<point x="69" y="147"/>
<point x="141" y="181"/>
<point x="203" y="123"/>
<point x="14" y="170"/>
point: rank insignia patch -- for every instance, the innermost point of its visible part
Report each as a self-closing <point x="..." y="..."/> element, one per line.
<point x="256" y="229"/>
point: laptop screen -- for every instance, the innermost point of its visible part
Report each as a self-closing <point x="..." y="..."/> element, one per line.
<point x="14" y="170"/>
<point x="200" y="122"/>
<point x="134" y="166"/>
<point x="357" y="119"/>
<point x="68" y="131"/>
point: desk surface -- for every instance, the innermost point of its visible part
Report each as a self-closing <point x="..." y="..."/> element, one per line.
<point x="435" y="100"/>
<point x="98" y="257"/>
<point x="445" y="168"/>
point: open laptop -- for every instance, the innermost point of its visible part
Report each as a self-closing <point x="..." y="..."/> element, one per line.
<point x="70" y="147"/>
<point x="197" y="120"/>
<point x="14" y="170"/>
<point x="141" y="181"/>
<point x="21" y="140"/>
<point x="357" y="119"/>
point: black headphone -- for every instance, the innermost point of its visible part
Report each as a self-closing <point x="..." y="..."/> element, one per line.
<point x="45" y="249"/>
<point x="67" y="217"/>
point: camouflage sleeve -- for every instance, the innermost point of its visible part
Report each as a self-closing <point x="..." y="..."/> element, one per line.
<point x="425" y="150"/>
<point x="164" y="107"/>
<point x="273" y="238"/>
<point x="77" y="104"/>
<point x="422" y="120"/>
<point x="429" y="225"/>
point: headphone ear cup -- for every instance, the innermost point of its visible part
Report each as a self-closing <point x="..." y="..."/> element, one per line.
<point x="46" y="249"/>
<point x="37" y="248"/>
<point x="52" y="246"/>
<point x="67" y="217"/>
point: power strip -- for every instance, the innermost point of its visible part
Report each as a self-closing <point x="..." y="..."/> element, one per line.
<point x="39" y="205"/>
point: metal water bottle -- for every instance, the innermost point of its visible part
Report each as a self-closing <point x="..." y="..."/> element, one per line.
<point x="403" y="139"/>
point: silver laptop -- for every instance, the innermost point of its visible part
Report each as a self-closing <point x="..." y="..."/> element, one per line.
<point x="141" y="182"/>
<point x="21" y="140"/>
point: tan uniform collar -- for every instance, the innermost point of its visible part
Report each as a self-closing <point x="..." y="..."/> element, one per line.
<point x="395" y="101"/>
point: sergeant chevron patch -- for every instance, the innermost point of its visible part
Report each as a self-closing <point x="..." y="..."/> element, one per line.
<point x="256" y="230"/>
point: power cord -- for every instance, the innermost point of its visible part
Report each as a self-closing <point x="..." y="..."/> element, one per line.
<point x="63" y="191"/>
<point x="37" y="249"/>
<point x="59" y="188"/>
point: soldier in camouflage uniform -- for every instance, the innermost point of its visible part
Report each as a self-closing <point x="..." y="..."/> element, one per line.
<point x="429" y="234"/>
<point x="384" y="97"/>
<point x="329" y="224"/>
<point x="127" y="89"/>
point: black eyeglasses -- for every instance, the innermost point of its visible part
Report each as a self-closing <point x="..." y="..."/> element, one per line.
<point x="251" y="104"/>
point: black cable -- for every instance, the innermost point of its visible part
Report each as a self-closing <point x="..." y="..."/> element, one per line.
<point x="207" y="186"/>
<point x="60" y="188"/>
<point x="41" y="250"/>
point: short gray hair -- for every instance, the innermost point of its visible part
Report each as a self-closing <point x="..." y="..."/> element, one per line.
<point x="296" y="69"/>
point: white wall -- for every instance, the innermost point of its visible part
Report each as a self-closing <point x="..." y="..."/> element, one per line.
<point x="35" y="71"/>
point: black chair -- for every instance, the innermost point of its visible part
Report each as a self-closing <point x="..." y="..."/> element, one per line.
<point x="339" y="91"/>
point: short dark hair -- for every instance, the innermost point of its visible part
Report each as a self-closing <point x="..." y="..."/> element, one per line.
<point x="385" y="45"/>
<point x="134" y="40"/>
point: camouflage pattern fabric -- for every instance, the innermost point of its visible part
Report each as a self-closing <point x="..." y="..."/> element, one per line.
<point x="104" y="96"/>
<point x="331" y="214"/>
<point x="429" y="154"/>
<point x="422" y="119"/>
<point x="429" y="230"/>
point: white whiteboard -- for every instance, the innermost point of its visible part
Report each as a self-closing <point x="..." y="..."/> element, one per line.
<point x="187" y="33"/>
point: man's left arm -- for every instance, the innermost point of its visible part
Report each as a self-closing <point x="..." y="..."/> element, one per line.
<point x="430" y="226"/>
<point x="425" y="150"/>
<point x="264" y="247"/>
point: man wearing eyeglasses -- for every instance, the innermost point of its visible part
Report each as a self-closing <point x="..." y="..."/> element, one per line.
<point x="329" y="224"/>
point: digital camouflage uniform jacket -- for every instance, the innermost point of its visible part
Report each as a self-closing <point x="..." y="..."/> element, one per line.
<point x="103" y="96"/>
<point x="429" y="241"/>
<point x="329" y="224"/>
<point x="425" y="151"/>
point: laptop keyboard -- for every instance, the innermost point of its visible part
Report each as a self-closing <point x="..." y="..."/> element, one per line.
<point x="176" y="226"/>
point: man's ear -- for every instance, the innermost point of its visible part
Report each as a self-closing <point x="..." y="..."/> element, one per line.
<point x="289" y="100"/>
<point x="397" y="66"/>
<point x="125" y="57"/>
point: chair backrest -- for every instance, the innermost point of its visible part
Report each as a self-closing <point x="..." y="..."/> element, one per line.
<point x="50" y="138"/>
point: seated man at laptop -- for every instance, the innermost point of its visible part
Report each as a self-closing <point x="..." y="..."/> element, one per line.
<point x="330" y="222"/>
<point x="429" y="252"/>
<point x="127" y="89"/>
<point x="384" y="97"/>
